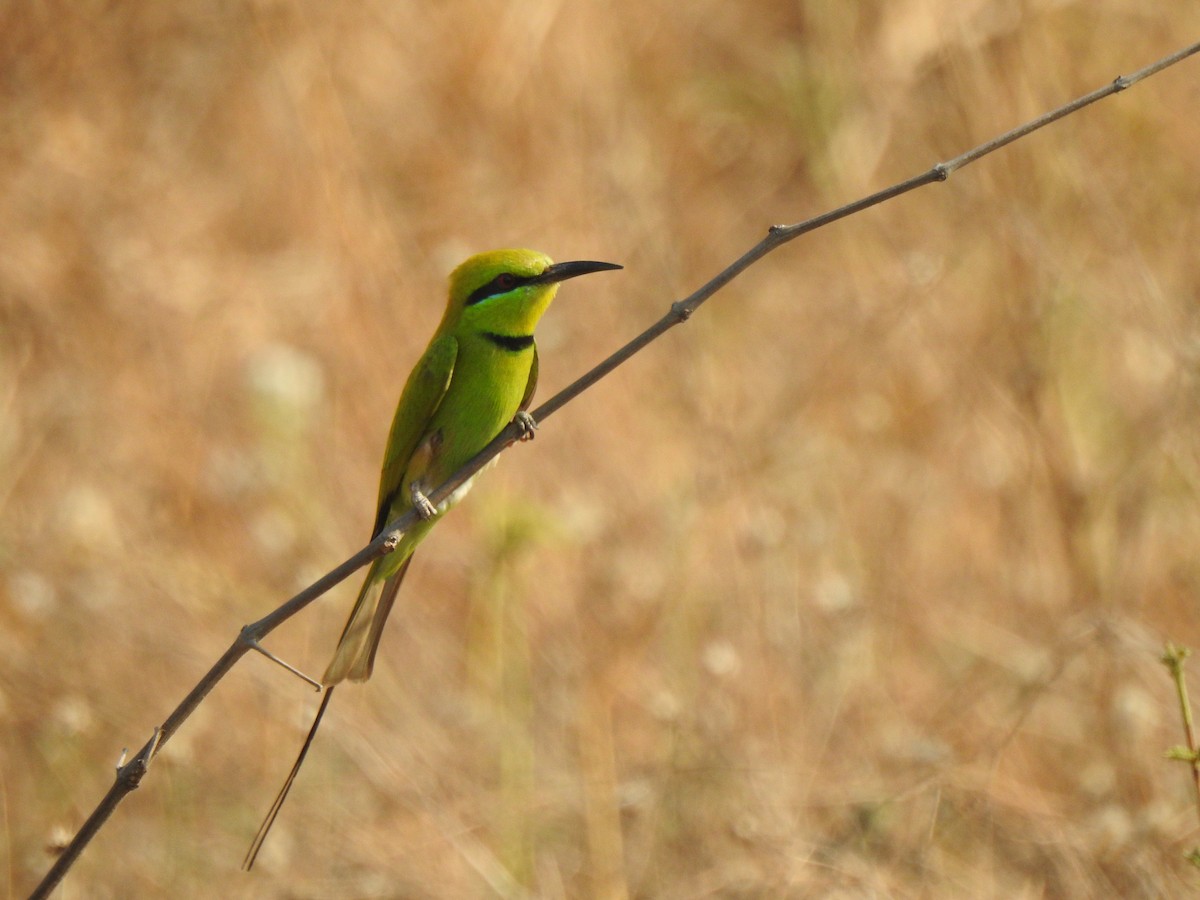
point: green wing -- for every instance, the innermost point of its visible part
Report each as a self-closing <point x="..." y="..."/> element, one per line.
<point x="423" y="393"/>
<point x="531" y="384"/>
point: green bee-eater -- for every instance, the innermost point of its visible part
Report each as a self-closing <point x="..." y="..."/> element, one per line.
<point x="478" y="373"/>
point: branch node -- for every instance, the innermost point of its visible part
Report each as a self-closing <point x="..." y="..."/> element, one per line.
<point x="680" y="309"/>
<point x="130" y="774"/>
<point x="941" y="172"/>
<point x="1120" y="83"/>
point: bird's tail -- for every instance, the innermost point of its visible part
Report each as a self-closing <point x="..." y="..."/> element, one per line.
<point x="354" y="657"/>
<point x="265" y="827"/>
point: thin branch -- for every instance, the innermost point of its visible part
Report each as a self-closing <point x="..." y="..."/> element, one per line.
<point x="1174" y="659"/>
<point x="129" y="776"/>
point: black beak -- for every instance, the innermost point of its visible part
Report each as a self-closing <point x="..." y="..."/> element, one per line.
<point x="564" y="270"/>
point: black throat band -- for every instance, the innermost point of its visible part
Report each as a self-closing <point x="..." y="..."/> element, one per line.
<point x="513" y="343"/>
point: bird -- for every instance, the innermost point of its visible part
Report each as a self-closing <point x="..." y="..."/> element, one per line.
<point x="477" y="375"/>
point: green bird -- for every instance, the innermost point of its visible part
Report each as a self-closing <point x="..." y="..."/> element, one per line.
<point x="478" y="373"/>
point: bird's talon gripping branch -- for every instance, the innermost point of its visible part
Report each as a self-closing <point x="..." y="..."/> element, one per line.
<point x="421" y="503"/>
<point x="528" y="425"/>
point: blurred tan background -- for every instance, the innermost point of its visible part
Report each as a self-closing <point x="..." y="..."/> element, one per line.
<point x="853" y="586"/>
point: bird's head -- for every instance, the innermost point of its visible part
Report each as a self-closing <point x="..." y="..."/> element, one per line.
<point x="506" y="291"/>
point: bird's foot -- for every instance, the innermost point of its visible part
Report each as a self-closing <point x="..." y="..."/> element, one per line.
<point x="421" y="503"/>
<point x="527" y="424"/>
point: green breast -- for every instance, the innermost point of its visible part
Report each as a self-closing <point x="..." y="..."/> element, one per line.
<point x="485" y="390"/>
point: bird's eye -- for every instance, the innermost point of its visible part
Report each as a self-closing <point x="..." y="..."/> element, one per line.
<point x="500" y="284"/>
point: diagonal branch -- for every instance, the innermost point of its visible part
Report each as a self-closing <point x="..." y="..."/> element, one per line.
<point x="129" y="775"/>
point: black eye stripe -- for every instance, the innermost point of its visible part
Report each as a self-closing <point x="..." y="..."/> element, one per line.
<point x="501" y="284"/>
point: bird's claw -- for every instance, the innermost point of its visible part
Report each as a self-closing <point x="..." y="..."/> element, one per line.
<point x="527" y="424"/>
<point x="421" y="504"/>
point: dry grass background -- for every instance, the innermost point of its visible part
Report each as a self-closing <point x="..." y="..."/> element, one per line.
<point x="854" y="586"/>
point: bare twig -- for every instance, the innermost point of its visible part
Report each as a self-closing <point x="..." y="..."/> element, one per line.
<point x="1174" y="658"/>
<point x="129" y="776"/>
